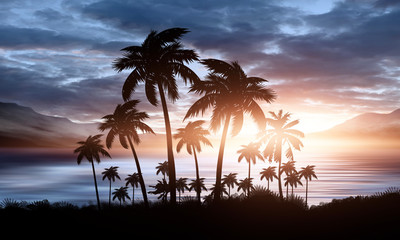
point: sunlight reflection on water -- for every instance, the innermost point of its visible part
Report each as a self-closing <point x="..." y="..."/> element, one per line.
<point x="339" y="175"/>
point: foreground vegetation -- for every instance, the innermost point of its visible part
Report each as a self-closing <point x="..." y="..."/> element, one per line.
<point x="262" y="213"/>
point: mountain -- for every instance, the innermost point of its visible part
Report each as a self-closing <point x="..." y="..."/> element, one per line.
<point x="376" y="128"/>
<point x="23" y="127"/>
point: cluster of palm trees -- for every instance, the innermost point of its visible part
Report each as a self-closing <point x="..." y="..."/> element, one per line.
<point x="226" y="90"/>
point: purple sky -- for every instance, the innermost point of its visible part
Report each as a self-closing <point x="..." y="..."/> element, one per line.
<point x="327" y="60"/>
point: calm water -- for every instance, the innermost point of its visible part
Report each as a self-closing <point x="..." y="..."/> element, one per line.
<point x="31" y="175"/>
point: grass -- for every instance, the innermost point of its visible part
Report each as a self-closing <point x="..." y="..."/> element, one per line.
<point x="262" y="214"/>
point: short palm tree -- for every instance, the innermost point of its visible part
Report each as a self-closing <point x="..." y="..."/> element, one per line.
<point x="223" y="190"/>
<point x="269" y="174"/>
<point x="121" y="193"/>
<point x="288" y="168"/>
<point x="161" y="188"/>
<point x="308" y="173"/>
<point x="156" y="62"/>
<point x="198" y="186"/>
<point x="163" y="169"/>
<point x="250" y="152"/>
<point x="279" y="136"/>
<point x="193" y="135"/>
<point x="91" y="150"/>
<point x="230" y="181"/>
<point x="125" y="123"/>
<point x="181" y="186"/>
<point x="110" y="173"/>
<point x="246" y="185"/>
<point x="292" y="179"/>
<point x="133" y="180"/>
<point x="230" y="93"/>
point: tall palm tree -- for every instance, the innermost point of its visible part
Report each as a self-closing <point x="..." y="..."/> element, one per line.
<point x="246" y="185"/>
<point x="121" y="193"/>
<point x="181" y="186"/>
<point x="281" y="135"/>
<point x="288" y="168"/>
<point x="163" y="169"/>
<point x="269" y="174"/>
<point x="308" y="173"/>
<point x="90" y="149"/>
<point x="110" y="173"/>
<point x="156" y="62"/>
<point x="230" y="93"/>
<point x="125" y="123"/>
<point x="198" y="186"/>
<point x="230" y="181"/>
<point x="133" y="180"/>
<point x="250" y="152"/>
<point x="292" y="179"/>
<point x="193" y="135"/>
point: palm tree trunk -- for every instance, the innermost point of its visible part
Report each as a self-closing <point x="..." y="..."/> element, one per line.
<point x="217" y="194"/>
<point x="278" y="154"/>
<point x="197" y="174"/>
<point x="109" y="195"/>
<point x="306" y="191"/>
<point x="171" y="162"/>
<point x="95" y="186"/>
<point x="249" y="167"/>
<point x="287" y="191"/>
<point x="133" y="195"/>
<point x="268" y="184"/>
<point x="141" y="180"/>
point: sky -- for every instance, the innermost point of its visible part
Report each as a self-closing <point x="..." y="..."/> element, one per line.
<point x="327" y="61"/>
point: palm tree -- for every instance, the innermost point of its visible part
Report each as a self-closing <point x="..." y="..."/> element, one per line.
<point x="90" y="149"/>
<point x="110" y="173"/>
<point x="121" y="193"/>
<point x="246" y="185"/>
<point x="163" y="169"/>
<point x="292" y="180"/>
<point x="133" y="180"/>
<point x="156" y="62"/>
<point x="308" y="173"/>
<point x="181" y="185"/>
<point x="198" y="186"/>
<point x="223" y="190"/>
<point x="250" y="152"/>
<point x="125" y="122"/>
<point x="269" y="174"/>
<point x="230" y="181"/>
<point x="231" y="93"/>
<point x="281" y="135"/>
<point x="193" y="135"/>
<point x="162" y="188"/>
<point x="288" y="168"/>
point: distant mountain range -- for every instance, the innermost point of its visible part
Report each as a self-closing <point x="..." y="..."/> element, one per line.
<point x="23" y="127"/>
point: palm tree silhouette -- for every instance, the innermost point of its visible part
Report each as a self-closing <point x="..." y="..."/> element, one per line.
<point x="110" y="173"/>
<point x="156" y="62"/>
<point x="231" y="93"/>
<point x="308" y="173"/>
<point x="90" y="149"/>
<point x="292" y="180"/>
<point x="280" y="135"/>
<point x="250" y="152"/>
<point x="163" y="169"/>
<point x="198" y="186"/>
<point x="269" y="174"/>
<point x="121" y="193"/>
<point x="193" y="135"/>
<point x="288" y="168"/>
<point x="230" y="181"/>
<point x="246" y="185"/>
<point x="133" y="180"/>
<point x="181" y="186"/>
<point x="125" y="122"/>
<point x="162" y="188"/>
<point x="223" y="190"/>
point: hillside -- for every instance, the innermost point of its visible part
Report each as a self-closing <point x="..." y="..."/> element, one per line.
<point x="23" y="127"/>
